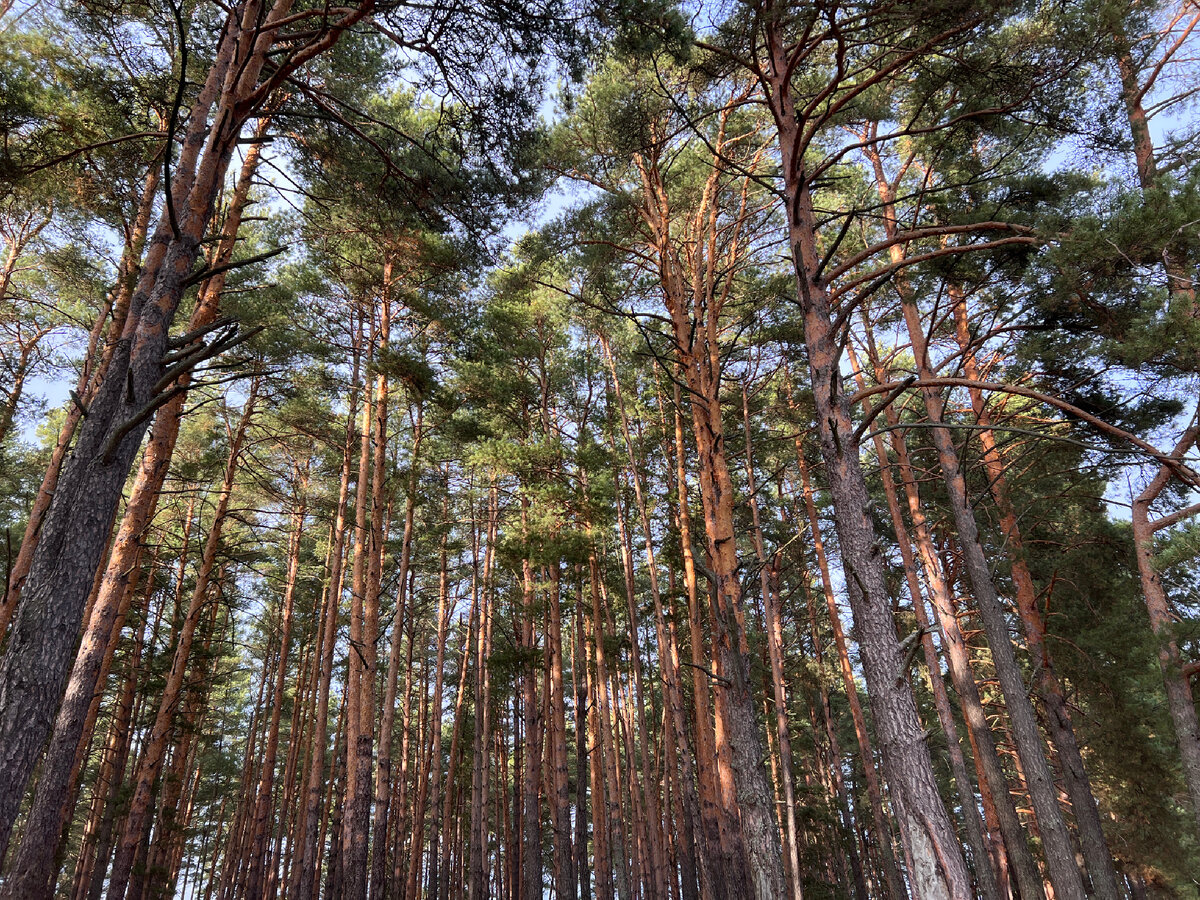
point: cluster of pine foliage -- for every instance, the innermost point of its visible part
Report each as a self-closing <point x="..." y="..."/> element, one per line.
<point x="530" y="448"/>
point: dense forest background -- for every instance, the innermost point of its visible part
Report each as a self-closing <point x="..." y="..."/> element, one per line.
<point x="525" y="449"/>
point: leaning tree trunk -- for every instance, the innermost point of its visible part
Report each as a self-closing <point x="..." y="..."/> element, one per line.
<point x="1180" y="701"/>
<point x="1100" y="869"/>
<point x="1181" y="286"/>
<point x="958" y="658"/>
<point x="90" y="376"/>
<point x="40" y="838"/>
<point x="75" y="530"/>
<point x="985" y="874"/>
<point x="1060" y="855"/>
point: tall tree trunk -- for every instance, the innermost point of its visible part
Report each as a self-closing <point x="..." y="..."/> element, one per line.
<point x="383" y="777"/>
<point x="564" y="856"/>
<point x="676" y="737"/>
<point x="483" y="595"/>
<point x="1181" y="285"/>
<point x="774" y="629"/>
<point x="152" y="758"/>
<point x="651" y="824"/>
<point x="264" y="795"/>
<point x="985" y="874"/>
<point x="429" y="776"/>
<point x="439" y="874"/>
<point x="157" y="880"/>
<point x="958" y="658"/>
<point x="531" y="841"/>
<point x="939" y="869"/>
<point x="91" y="868"/>
<point x="840" y="795"/>
<point x="580" y="681"/>
<point x="1180" y="701"/>
<point x="883" y="843"/>
<point x="138" y="380"/>
<point x="90" y="375"/>
<point x="609" y="848"/>
<point x="1100" y="870"/>
<point x="305" y="874"/>
<point x="711" y="818"/>
<point x="1059" y="854"/>
<point x="369" y="506"/>
<point x="753" y="865"/>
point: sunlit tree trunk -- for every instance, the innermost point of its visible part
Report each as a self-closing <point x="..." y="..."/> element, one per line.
<point x="1100" y="870"/>
<point x="678" y="751"/>
<point x="264" y="795"/>
<point x="92" y="372"/>
<point x="883" y="843"/>
<point x="985" y="874"/>
<point x="152" y="758"/>
<point x="306" y="871"/>
<point x="958" y="659"/>
<point x="1059" y="854"/>
<point x="369" y="507"/>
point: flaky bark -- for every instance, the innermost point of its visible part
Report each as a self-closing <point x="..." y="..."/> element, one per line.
<point x="1180" y="700"/>
<point x="364" y="626"/>
<point x="883" y="841"/>
<point x="939" y="871"/>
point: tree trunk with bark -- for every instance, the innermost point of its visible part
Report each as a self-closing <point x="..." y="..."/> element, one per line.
<point x="259" y="870"/>
<point x="140" y="377"/>
<point x="1100" y="870"/>
<point x="152" y="758"/>
<point x="305" y="879"/>
<point x="1059" y="853"/>
<point x="939" y="870"/>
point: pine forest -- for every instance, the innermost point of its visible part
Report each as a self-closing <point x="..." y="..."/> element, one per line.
<point x="630" y="449"/>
